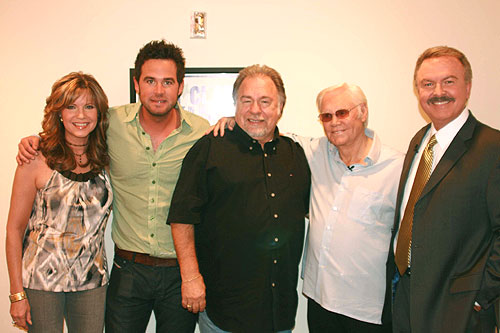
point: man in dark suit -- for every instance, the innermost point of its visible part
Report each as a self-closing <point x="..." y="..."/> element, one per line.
<point x="444" y="260"/>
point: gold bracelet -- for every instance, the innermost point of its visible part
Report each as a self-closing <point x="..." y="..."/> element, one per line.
<point x="17" y="297"/>
<point x="192" y="279"/>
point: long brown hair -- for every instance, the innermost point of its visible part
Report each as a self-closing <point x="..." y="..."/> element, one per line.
<point x="65" y="91"/>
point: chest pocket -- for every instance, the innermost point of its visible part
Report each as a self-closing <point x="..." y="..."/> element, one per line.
<point x="365" y="206"/>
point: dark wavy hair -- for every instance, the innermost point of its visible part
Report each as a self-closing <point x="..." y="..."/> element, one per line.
<point x="65" y="91"/>
<point x="161" y="49"/>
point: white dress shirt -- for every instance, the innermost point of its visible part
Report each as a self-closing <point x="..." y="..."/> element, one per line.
<point x="351" y="215"/>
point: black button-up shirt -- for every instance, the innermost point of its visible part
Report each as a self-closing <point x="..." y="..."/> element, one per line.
<point x="248" y="205"/>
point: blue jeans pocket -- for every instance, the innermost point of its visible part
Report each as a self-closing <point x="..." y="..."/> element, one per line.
<point x="121" y="282"/>
<point x="120" y="262"/>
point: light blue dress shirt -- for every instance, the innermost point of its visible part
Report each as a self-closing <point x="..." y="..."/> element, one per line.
<point x="351" y="215"/>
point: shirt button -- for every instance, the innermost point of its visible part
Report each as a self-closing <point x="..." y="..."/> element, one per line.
<point x="152" y="235"/>
<point x="273" y="195"/>
<point x="154" y="163"/>
<point x="152" y="200"/>
<point x="274" y="148"/>
<point x="148" y="148"/>
<point x="275" y="261"/>
<point x="265" y="154"/>
<point x="251" y="148"/>
<point x="269" y="174"/>
<point x="154" y="182"/>
<point x="273" y="284"/>
<point x="275" y="216"/>
<point x="143" y="133"/>
<point x="254" y="141"/>
<point x="276" y="239"/>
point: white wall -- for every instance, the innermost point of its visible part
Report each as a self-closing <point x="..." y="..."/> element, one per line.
<point x="313" y="44"/>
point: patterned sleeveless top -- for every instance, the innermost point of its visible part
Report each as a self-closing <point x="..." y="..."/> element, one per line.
<point x="63" y="248"/>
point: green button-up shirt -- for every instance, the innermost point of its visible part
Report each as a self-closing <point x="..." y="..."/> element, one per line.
<point x="144" y="180"/>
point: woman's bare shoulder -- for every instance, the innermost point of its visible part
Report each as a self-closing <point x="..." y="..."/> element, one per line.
<point x="37" y="171"/>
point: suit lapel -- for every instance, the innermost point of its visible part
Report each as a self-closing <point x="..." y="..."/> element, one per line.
<point x="410" y="155"/>
<point x="454" y="152"/>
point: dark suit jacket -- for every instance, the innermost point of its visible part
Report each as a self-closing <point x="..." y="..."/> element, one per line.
<point x="456" y="232"/>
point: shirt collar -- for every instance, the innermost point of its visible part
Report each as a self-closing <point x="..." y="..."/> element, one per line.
<point x="446" y="134"/>
<point x="248" y="140"/>
<point x="134" y="111"/>
<point x="134" y="114"/>
<point x="374" y="153"/>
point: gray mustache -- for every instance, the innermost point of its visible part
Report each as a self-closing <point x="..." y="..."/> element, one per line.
<point x="440" y="99"/>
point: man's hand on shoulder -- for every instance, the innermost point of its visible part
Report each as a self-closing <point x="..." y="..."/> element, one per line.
<point x="221" y="125"/>
<point x="28" y="149"/>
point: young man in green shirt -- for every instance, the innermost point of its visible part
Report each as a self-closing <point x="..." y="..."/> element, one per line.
<point x="147" y="142"/>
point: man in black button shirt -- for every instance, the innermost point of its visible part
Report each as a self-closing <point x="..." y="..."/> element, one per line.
<point x="237" y="216"/>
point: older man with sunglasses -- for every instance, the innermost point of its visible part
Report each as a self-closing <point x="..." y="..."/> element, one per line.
<point x="354" y="180"/>
<point x="353" y="196"/>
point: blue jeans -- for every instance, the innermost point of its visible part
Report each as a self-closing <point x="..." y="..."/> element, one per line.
<point x="207" y="326"/>
<point x="82" y="310"/>
<point x="136" y="290"/>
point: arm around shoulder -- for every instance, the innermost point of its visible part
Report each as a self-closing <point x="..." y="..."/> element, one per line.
<point x="28" y="149"/>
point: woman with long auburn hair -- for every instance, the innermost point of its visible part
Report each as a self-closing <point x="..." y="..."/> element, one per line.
<point x="58" y="212"/>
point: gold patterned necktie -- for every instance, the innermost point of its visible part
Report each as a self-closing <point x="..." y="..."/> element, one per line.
<point x="421" y="178"/>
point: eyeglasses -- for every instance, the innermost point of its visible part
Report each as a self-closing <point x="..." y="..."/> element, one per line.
<point x="340" y="114"/>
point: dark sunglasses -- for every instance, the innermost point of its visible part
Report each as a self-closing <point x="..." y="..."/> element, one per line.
<point x="340" y="114"/>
